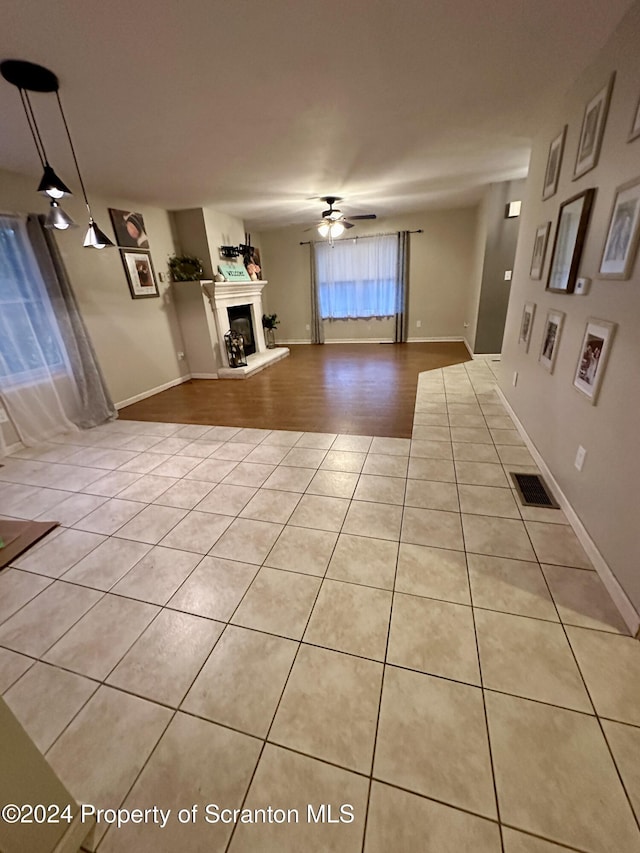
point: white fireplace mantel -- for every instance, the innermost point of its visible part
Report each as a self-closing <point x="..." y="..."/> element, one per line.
<point x="225" y="294"/>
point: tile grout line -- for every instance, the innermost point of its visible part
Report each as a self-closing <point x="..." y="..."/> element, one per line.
<point x="482" y="690"/>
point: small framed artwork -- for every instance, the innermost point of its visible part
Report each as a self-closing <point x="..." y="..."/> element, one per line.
<point x="592" y="360"/>
<point x="621" y="244"/>
<point x="554" y="162"/>
<point x="635" y="125"/>
<point x="551" y="339"/>
<point x="129" y="229"/>
<point x="593" y="123"/>
<point x="526" y="325"/>
<point x="539" y="250"/>
<point x="140" y="274"/>
<point x="569" y="241"/>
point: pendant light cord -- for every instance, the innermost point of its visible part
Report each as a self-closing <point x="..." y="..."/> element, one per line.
<point x="33" y="127"/>
<point x="73" y="151"/>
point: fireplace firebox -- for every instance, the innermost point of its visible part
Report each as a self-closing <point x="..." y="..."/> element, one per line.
<point x="241" y="321"/>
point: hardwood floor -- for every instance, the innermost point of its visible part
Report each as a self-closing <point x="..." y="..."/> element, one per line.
<point x="358" y="389"/>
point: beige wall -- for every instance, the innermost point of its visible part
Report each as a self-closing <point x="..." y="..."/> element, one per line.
<point x="441" y="269"/>
<point x="557" y="417"/>
<point x="137" y="340"/>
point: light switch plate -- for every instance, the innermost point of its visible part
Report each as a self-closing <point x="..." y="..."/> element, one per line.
<point x="580" y="455"/>
<point x="582" y="286"/>
<point x="507" y="275"/>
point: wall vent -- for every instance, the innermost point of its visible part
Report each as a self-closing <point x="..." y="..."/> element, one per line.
<point x="532" y="491"/>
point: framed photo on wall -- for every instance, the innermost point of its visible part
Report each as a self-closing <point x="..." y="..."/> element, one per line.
<point x="551" y="339"/>
<point x="539" y="250"/>
<point x="593" y="124"/>
<point x="592" y="360"/>
<point x="526" y="325"/>
<point x="554" y="163"/>
<point x="568" y="243"/>
<point x="140" y="275"/>
<point x="635" y="124"/>
<point x="129" y="229"/>
<point x="621" y="245"/>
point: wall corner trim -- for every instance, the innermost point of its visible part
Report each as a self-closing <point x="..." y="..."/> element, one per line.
<point x="611" y="583"/>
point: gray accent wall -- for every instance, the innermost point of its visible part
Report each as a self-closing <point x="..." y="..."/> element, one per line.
<point x="499" y="255"/>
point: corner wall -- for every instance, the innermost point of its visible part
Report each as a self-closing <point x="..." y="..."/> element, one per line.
<point x="557" y="417"/>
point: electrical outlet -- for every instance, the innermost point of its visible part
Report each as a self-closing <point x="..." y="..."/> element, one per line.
<point x="4" y="417"/>
<point x="515" y="378"/>
<point x="308" y="327"/>
<point x="582" y="286"/>
<point x="580" y="455"/>
<point x="418" y="324"/>
<point x="466" y="325"/>
<point x="180" y="356"/>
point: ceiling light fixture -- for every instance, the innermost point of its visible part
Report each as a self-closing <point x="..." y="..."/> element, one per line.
<point x="29" y="77"/>
<point x="330" y="229"/>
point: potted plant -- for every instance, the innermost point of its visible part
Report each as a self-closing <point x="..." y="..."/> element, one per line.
<point x="185" y="268"/>
<point x="269" y="323"/>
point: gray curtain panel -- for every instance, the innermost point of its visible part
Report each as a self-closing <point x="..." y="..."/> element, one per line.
<point x="402" y="316"/>
<point x="317" y="327"/>
<point x="97" y="405"/>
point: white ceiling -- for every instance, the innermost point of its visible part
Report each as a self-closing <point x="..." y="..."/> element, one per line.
<point x="255" y="106"/>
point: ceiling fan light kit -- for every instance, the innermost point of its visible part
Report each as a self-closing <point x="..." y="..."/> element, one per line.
<point x="334" y="222"/>
<point x="29" y="77"/>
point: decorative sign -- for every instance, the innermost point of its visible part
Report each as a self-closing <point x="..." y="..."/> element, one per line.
<point x="234" y="272"/>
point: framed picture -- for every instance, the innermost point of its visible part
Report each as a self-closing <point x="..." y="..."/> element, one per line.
<point x="140" y="274"/>
<point x="621" y="244"/>
<point x="635" y="125"/>
<point x="554" y="162"/>
<point x="129" y="229"/>
<point x="551" y="339"/>
<point x="568" y="243"/>
<point x="592" y="360"/>
<point x="539" y="250"/>
<point x="526" y="325"/>
<point x="593" y="123"/>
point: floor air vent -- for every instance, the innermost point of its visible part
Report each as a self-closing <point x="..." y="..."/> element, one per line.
<point x="533" y="491"/>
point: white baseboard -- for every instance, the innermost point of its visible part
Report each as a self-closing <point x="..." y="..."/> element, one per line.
<point x="153" y="391"/>
<point x="611" y="583"/>
<point x="468" y="346"/>
<point x="204" y="376"/>
<point x="359" y="341"/>
<point x="437" y="340"/>
<point x="292" y="341"/>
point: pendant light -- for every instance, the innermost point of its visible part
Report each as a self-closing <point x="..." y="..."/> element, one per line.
<point x="57" y="218"/>
<point x="29" y="77"/>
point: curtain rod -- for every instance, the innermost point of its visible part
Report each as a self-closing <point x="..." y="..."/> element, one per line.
<point x="360" y="237"/>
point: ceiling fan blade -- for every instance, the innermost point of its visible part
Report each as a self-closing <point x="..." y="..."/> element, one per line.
<point x="365" y="216"/>
<point x="347" y="224"/>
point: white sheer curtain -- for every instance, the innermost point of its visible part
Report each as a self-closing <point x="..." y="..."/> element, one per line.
<point x="358" y="278"/>
<point x="37" y="385"/>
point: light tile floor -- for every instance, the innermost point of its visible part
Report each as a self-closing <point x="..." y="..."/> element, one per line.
<point x="255" y="618"/>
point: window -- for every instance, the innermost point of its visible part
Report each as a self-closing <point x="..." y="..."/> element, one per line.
<point x="29" y="338"/>
<point x="358" y="278"/>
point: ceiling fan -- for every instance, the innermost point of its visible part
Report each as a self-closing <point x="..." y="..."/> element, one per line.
<point x="334" y="222"/>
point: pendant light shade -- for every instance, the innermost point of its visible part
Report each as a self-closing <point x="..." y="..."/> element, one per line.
<point x="57" y="218"/>
<point x="52" y="185"/>
<point x="95" y="238"/>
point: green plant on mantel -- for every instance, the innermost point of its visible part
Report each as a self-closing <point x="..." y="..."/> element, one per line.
<point x="270" y="321"/>
<point x="185" y="268"/>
